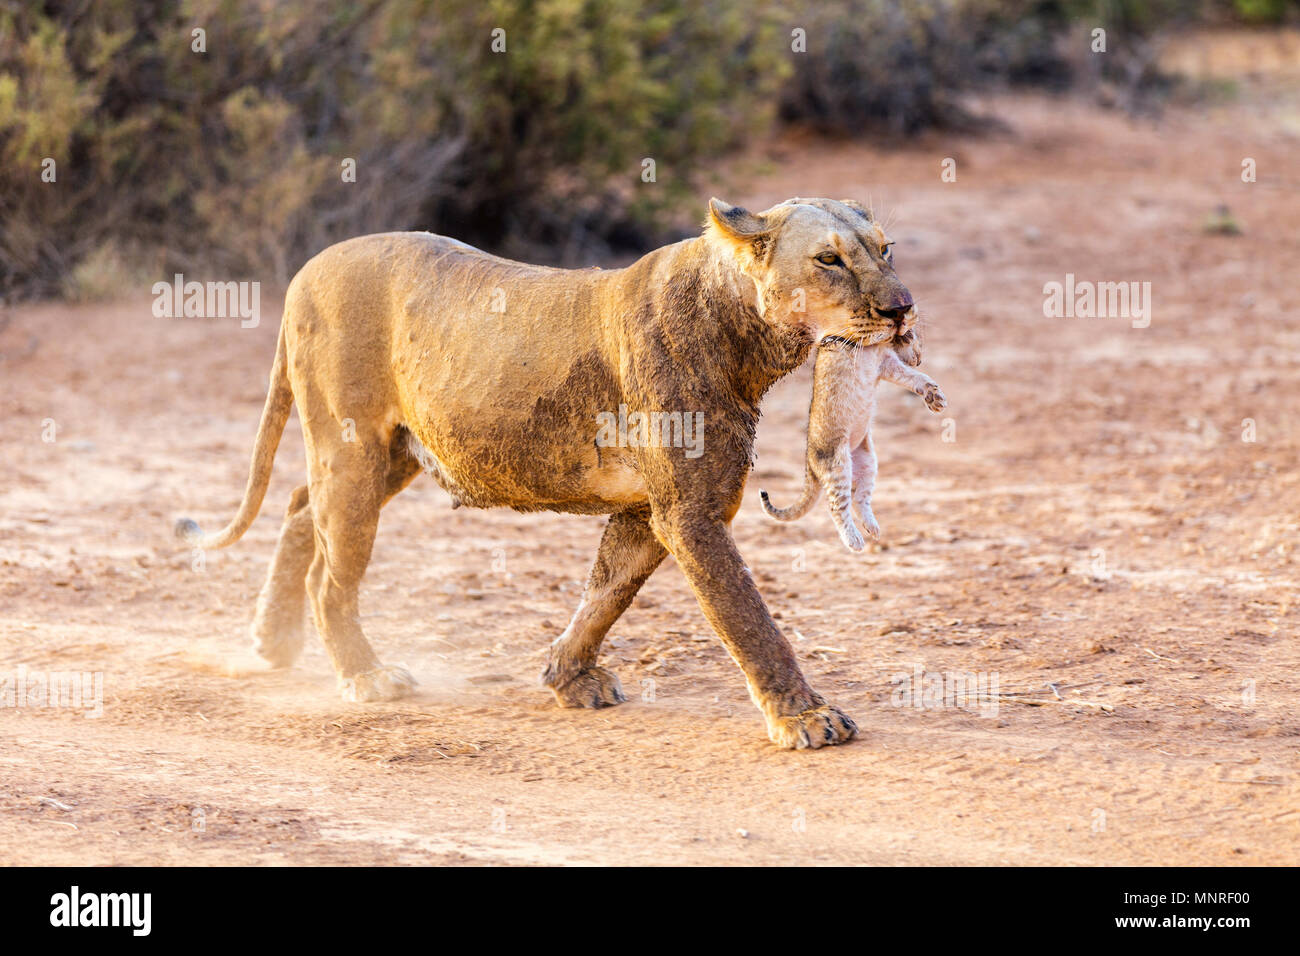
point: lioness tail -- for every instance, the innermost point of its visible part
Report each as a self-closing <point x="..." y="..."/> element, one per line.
<point x="279" y="401"/>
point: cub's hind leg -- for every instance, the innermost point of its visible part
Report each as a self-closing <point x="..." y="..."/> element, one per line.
<point x="864" y="484"/>
<point x="835" y="474"/>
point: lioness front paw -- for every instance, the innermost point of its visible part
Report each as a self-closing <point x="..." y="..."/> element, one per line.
<point x="933" y="396"/>
<point x="820" y="727"/>
<point x="390" y="682"/>
<point x="592" y="687"/>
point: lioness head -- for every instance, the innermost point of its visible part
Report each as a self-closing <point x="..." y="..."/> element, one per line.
<point x="820" y="263"/>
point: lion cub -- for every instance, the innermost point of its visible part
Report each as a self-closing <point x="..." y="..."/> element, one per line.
<point x="840" y="456"/>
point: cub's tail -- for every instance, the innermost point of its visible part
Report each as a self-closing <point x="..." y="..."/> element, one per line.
<point x="811" y="491"/>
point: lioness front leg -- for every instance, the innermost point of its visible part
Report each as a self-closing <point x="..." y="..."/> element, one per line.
<point x="797" y="716"/>
<point x="628" y="554"/>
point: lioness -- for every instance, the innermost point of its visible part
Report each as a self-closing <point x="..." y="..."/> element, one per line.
<point x="489" y="374"/>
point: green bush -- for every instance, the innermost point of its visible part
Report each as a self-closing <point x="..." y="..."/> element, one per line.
<point x="893" y="68"/>
<point x="1264" y="11"/>
<point x="229" y="161"/>
<point x="877" y="63"/>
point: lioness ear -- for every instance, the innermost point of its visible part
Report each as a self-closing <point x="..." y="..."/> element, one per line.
<point x="735" y="221"/>
<point x="749" y="234"/>
<point x="858" y="208"/>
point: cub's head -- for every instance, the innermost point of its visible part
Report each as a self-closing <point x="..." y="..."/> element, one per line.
<point x="820" y="263"/>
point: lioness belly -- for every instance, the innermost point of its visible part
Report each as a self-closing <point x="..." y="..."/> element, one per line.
<point x="479" y="476"/>
<point x="521" y="439"/>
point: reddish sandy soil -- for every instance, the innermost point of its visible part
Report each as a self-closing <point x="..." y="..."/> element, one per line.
<point x="1098" y="523"/>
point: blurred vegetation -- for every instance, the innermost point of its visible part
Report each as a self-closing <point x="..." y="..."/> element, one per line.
<point x="228" y="161"/>
<point x="1266" y="11"/>
<point x="904" y="67"/>
<point x="901" y="68"/>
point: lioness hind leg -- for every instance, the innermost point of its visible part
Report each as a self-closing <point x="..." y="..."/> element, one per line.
<point x="279" y="624"/>
<point x="348" y="486"/>
<point x="628" y="554"/>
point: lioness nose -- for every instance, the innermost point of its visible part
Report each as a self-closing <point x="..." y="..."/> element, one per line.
<point x="899" y="301"/>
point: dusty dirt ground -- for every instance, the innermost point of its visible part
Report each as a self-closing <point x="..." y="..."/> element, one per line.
<point x="1098" y="523"/>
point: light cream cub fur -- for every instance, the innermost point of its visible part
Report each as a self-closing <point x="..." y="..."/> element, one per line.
<point x="840" y="456"/>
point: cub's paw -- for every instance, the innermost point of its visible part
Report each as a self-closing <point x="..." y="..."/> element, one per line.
<point x="593" y="687"/>
<point x="820" y="727"/>
<point x="869" y="522"/>
<point x="390" y="682"/>
<point x="851" y="537"/>
<point x="933" y="396"/>
<point x="908" y="348"/>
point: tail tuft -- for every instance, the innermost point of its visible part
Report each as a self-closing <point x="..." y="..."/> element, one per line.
<point x="187" y="529"/>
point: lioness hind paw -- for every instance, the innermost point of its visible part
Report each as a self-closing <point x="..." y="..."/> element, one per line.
<point x="278" y="645"/>
<point x="389" y="682"/>
<point x="822" y="726"/>
<point x="593" y="687"/>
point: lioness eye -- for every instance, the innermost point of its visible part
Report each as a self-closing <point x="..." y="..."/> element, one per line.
<point x="829" y="259"/>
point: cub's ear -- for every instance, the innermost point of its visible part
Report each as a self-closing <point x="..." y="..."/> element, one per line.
<point x="735" y="222"/>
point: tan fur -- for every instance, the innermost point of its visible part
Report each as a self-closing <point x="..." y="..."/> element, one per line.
<point x="840" y="457"/>
<point x="404" y="334"/>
